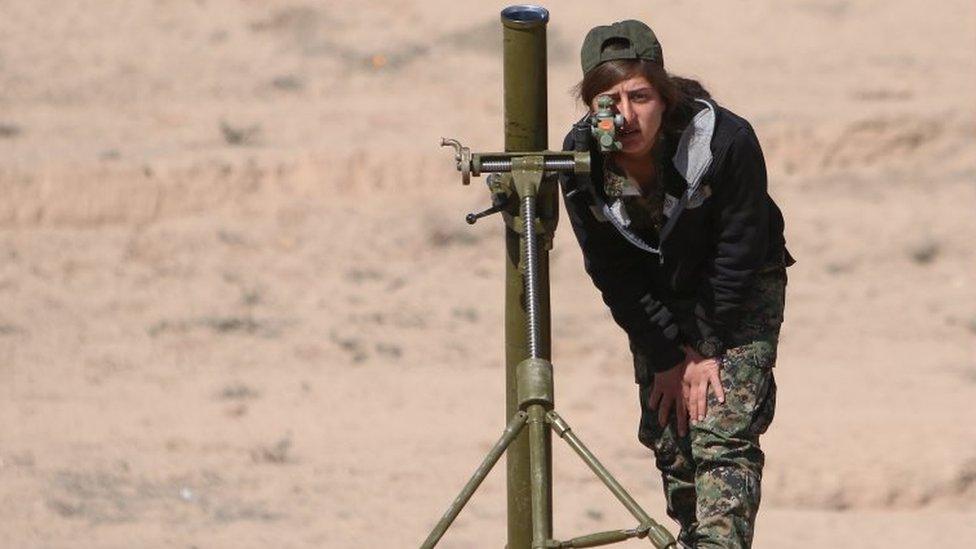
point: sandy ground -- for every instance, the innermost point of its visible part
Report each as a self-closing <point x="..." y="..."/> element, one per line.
<point x="239" y="306"/>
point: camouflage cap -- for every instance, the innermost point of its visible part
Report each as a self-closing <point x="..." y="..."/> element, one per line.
<point x="637" y="39"/>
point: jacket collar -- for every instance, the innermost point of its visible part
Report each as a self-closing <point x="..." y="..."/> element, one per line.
<point x="694" y="152"/>
<point x="692" y="157"/>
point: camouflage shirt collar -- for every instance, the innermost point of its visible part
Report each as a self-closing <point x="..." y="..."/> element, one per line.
<point x="616" y="185"/>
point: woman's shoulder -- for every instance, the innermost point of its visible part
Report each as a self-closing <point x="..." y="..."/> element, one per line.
<point x="730" y="128"/>
<point x="569" y="142"/>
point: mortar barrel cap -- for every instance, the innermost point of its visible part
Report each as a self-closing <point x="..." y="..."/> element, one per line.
<point x="524" y="16"/>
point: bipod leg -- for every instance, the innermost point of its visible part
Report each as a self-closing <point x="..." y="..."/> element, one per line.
<point x="657" y="534"/>
<point x="512" y="430"/>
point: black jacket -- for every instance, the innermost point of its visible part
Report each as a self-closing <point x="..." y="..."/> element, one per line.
<point x="692" y="292"/>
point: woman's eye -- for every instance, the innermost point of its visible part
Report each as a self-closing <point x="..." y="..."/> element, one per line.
<point x="640" y="97"/>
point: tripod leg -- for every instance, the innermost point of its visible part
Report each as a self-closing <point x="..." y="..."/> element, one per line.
<point x="539" y="463"/>
<point x="660" y="537"/>
<point x="512" y="430"/>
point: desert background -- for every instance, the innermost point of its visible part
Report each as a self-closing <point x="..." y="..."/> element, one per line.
<point x="240" y="307"/>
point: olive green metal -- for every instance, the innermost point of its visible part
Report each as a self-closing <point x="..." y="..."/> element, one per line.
<point x="475" y="164"/>
<point x="516" y="350"/>
<point x="526" y="129"/>
<point x="600" y="538"/>
<point x="527" y="174"/>
<point x="462" y="155"/>
<point x="540" y="476"/>
<point x="525" y="78"/>
<point x="500" y="162"/>
<point x="660" y="537"/>
<point x="535" y="383"/>
<point x="606" y="124"/>
<point x="512" y="430"/>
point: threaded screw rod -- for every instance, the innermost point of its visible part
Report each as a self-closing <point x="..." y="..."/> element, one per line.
<point x="505" y="165"/>
<point x="531" y="274"/>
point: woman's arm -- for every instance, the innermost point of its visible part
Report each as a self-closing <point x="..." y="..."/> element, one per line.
<point x="740" y="217"/>
<point x="625" y="284"/>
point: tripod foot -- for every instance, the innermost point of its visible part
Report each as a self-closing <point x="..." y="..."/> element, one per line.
<point x="657" y="534"/>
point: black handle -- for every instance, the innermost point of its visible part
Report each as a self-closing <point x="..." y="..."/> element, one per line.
<point x="471" y="218"/>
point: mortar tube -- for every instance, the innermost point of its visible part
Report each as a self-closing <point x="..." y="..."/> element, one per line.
<point x="526" y="130"/>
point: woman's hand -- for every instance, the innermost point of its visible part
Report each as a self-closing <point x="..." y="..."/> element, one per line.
<point x="667" y="392"/>
<point x="699" y="373"/>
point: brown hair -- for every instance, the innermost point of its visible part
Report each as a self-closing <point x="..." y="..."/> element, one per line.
<point x="676" y="91"/>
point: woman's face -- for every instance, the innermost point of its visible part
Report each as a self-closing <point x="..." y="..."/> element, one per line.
<point x="642" y="108"/>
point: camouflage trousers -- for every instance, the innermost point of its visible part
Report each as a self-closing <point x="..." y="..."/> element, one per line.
<point x="712" y="475"/>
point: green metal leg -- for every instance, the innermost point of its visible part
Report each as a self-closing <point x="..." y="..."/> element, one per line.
<point x="598" y="539"/>
<point x="660" y="537"/>
<point x="511" y="431"/>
